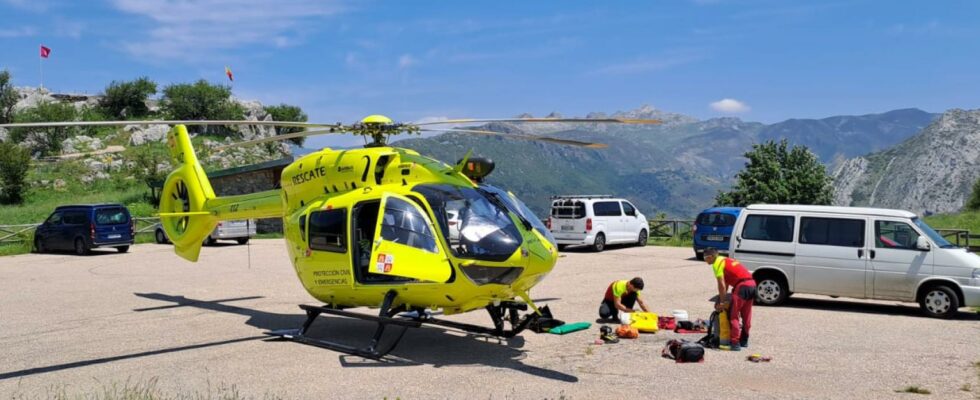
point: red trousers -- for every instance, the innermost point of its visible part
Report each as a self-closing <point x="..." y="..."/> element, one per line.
<point x="742" y="297"/>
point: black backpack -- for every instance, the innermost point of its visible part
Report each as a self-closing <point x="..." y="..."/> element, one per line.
<point x="544" y="322"/>
<point x="682" y="351"/>
<point x="711" y="340"/>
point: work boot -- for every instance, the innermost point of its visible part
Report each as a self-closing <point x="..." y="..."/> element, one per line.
<point x="735" y="347"/>
<point x="744" y="343"/>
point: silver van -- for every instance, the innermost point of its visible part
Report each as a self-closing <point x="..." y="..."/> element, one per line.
<point x="864" y="253"/>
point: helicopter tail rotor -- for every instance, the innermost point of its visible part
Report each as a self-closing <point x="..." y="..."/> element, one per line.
<point x="183" y="202"/>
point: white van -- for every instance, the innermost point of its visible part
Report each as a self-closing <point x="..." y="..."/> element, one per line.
<point x="864" y="253"/>
<point x="596" y="221"/>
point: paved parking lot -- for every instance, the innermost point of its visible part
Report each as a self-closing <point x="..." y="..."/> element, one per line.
<point x="78" y="324"/>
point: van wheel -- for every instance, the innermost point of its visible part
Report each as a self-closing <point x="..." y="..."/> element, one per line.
<point x="122" y="249"/>
<point x="642" y="241"/>
<point x="39" y="246"/>
<point x="939" y="301"/>
<point x="161" y="238"/>
<point x="699" y="256"/>
<point x="209" y="241"/>
<point x="243" y="241"/>
<point x="600" y="243"/>
<point x="562" y="247"/>
<point x="81" y="248"/>
<point x="771" y="290"/>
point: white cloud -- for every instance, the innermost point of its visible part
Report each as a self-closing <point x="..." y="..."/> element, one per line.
<point x="406" y="61"/>
<point x="189" y="29"/>
<point x="25" y="31"/>
<point x="730" y="106"/>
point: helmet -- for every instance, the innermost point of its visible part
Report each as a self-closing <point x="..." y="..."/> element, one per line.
<point x="606" y="330"/>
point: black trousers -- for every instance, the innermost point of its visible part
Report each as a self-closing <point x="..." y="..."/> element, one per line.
<point x="607" y="310"/>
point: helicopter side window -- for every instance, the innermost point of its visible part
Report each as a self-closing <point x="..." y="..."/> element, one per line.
<point x="327" y="231"/>
<point x="403" y="223"/>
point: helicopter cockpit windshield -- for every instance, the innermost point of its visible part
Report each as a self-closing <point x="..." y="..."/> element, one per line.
<point x="476" y="226"/>
<point x="518" y="207"/>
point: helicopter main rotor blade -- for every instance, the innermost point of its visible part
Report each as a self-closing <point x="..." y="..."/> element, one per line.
<point x="338" y="129"/>
<point x="580" y="120"/>
<point x="168" y="122"/>
<point x="527" y="137"/>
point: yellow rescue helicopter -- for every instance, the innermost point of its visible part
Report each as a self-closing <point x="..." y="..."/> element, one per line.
<point x="379" y="227"/>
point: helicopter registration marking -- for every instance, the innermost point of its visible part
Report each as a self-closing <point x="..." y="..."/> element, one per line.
<point x="310" y="175"/>
<point x="384" y="263"/>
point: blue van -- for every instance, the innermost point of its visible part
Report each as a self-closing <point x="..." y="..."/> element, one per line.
<point x="81" y="228"/>
<point x="713" y="228"/>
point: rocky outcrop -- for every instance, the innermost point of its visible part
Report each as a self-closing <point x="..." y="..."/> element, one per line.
<point x="141" y="134"/>
<point x="30" y="97"/>
<point x="933" y="171"/>
<point x="81" y="144"/>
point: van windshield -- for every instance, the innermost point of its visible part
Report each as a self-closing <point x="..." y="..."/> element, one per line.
<point x="935" y="236"/>
<point x="111" y="216"/>
<point x="715" y="219"/>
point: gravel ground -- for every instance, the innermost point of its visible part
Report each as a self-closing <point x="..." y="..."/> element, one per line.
<point x="78" y="324"/>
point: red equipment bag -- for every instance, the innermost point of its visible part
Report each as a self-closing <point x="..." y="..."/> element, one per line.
<point x="666" y="323"/>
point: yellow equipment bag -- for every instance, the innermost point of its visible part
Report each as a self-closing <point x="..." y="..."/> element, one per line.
<point x="644" y="322"/>
<point x="724" y="328"/>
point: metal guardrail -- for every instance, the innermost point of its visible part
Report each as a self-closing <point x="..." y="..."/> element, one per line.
<point x="24" y="233"/>
<point x="961" y="238"/>
<point x="667" y="228"/>
<point x="16" y="233"/>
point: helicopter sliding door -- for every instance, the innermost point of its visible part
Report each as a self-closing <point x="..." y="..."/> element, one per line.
<point x="405" y="243"/>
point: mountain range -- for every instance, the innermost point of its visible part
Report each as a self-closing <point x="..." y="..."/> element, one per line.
<point x="675" y="168"/>
<point x="931" y="172"/>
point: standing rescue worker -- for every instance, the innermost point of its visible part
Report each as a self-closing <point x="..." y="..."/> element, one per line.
<point x="621" y="296"/>
<point x="731" y="273"/>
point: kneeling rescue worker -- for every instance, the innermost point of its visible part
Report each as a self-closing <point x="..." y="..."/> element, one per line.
<point x="731" y="273"/>
<point x="621" y="296"/>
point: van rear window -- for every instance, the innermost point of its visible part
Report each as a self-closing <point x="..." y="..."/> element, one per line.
<point x="773" y="228"/>
<point x="715" y="219"/>
<point x="111" y="216"/>
<point x="568" y="209"/>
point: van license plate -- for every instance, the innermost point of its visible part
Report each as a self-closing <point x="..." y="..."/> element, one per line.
<point x="715" y="238"/>
<point x="114" y="236"/>
<point x="567" y="227"/>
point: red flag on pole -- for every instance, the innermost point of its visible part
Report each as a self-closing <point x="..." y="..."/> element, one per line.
<point x="45" y="52"/>
<point x="228" y="72"/>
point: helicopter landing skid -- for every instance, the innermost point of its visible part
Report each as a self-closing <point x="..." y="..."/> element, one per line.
<point x="372" y="351"/>
<point x="498" y="315"/>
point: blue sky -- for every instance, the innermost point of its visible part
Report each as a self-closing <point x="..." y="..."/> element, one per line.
<point x="341" y="60"/>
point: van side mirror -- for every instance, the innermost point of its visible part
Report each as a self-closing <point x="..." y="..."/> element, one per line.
<point x="922" y="244"/>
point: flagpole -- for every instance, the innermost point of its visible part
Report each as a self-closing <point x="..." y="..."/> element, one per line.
<point x="40" y="68"/>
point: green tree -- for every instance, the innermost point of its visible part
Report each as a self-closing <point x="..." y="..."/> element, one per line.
<point x="14" y="163"/>
<point x="776" y="174"/>
<point x="285" y="112"/>
<point x="145" y="162"/>
<point x="974" y="203"/>
<point x="8" y="98"/>
<point x="45" y="141"/>
<point x="201" y="101"/>
<point x="127" y="99"/>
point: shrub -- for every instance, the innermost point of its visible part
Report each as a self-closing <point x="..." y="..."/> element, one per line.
<point x="14" y="163"/>
<point x="285" y="112"/>
<point x="8" y="98"/>
<point x="201" y="101"/>
<point x="127" y="99"/>
<point x="45" y="141"/>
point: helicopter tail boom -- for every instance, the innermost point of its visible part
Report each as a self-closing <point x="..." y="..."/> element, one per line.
<point x="189" y="209"/>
